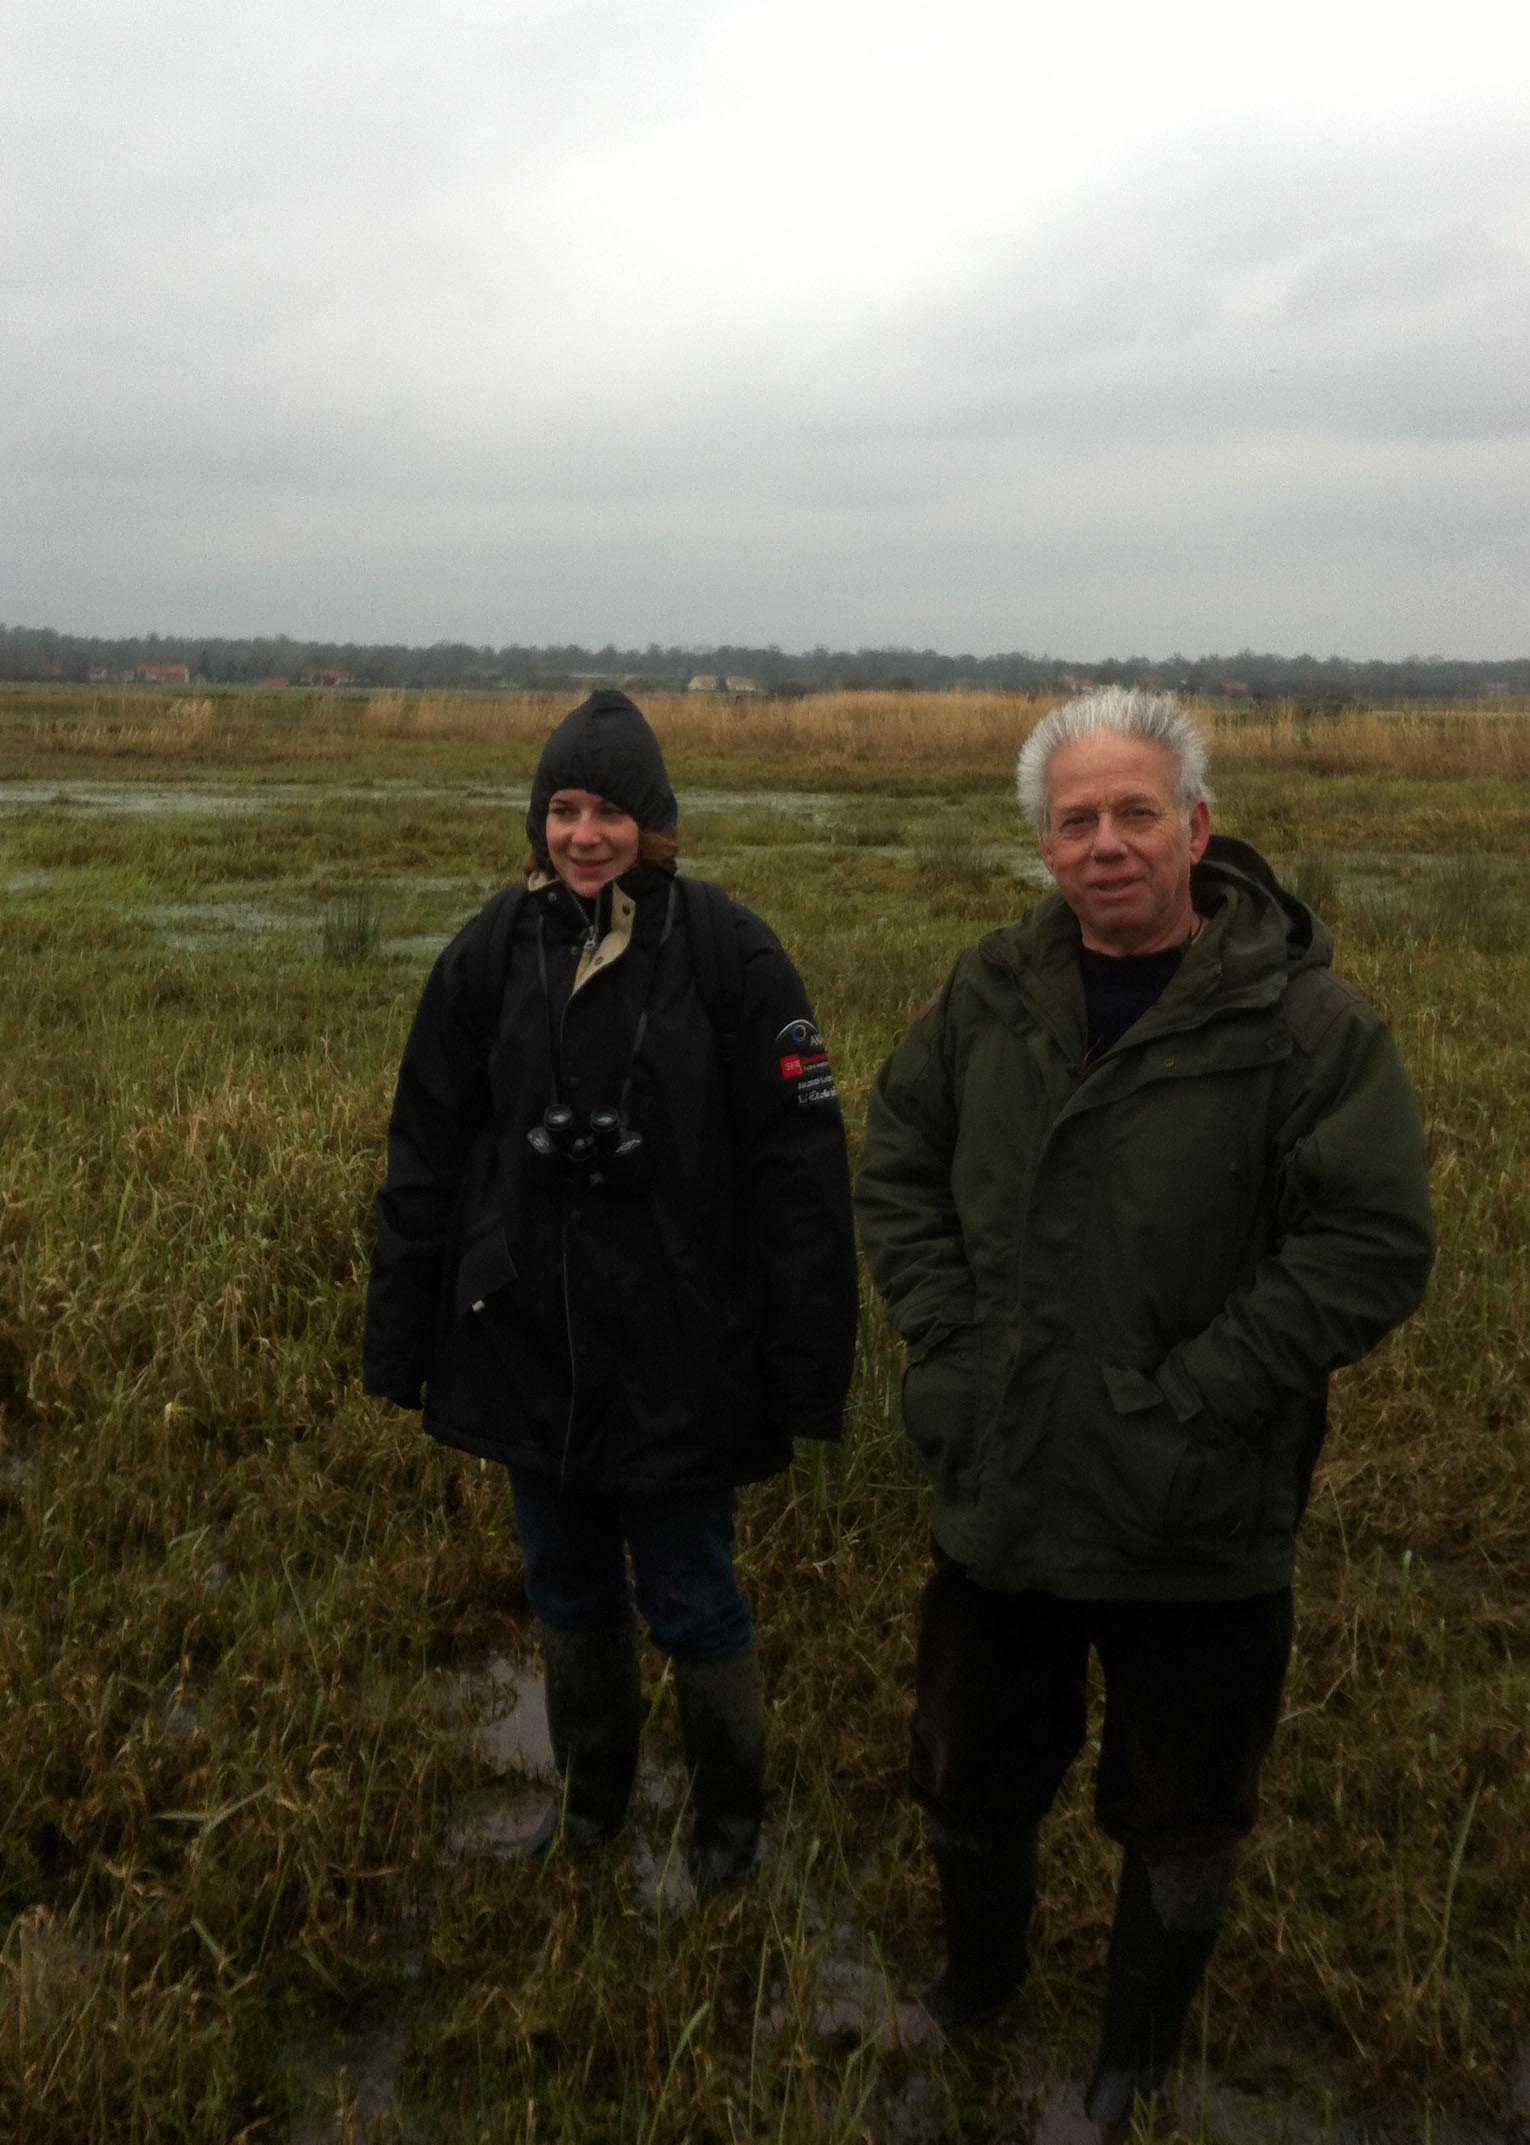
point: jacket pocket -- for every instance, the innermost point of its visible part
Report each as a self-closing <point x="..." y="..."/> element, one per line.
<point x="502" y="1358"/>
<point x="1177" y="1483"/>
<point x="940" y="1389"/>
<point x="484" y="1269"/>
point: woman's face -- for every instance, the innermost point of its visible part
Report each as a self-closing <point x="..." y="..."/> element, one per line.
<point x="589" y="840"/>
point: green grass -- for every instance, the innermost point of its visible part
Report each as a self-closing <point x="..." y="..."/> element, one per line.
<point x="233" y="1591"/>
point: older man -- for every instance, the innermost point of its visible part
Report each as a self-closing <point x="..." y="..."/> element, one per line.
<point x="1142" y="1175"/>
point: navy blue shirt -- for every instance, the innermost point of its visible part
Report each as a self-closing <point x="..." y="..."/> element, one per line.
<point x="1119" y="988"/>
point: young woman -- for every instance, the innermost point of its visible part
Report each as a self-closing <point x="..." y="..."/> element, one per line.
<point x="614" y="1252"/>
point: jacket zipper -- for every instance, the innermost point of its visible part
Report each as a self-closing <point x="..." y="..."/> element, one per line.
<point x="591" y="941"/>
<point x="573" y="1361"/>
<point x="568" y="1294"/>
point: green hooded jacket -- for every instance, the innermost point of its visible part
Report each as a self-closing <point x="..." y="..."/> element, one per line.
<point x="1123" y="1286"/>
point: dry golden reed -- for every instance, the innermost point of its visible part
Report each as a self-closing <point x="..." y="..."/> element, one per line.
<point x="985" y="730"/>
<point x="830" y="730"/>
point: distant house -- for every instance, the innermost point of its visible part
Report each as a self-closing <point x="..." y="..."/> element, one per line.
<point x="703" y="682"/>
<point x="163" y="674"/>
<point x="741" y="685"/>
<point x="329" y="677"/>
<point x="271" y="685"/>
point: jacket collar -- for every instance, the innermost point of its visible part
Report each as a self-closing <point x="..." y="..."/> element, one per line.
<point x="604" y="928"/>
<point x="1256" y="935"/>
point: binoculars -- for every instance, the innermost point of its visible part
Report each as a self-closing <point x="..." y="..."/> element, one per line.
<point x="602" y="1154"/>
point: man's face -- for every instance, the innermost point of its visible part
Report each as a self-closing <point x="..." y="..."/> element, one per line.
<point x="1117" y="843"/>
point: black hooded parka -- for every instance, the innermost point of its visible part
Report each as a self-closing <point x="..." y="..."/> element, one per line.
<point x="672" y="1335"/>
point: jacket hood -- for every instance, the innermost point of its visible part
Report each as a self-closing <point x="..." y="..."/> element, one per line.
<point x="605" y="746"/>
<point x="1234" y="872"/>
<point x="1256" y="935"/>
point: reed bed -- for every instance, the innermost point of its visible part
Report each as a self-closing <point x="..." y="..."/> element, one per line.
<point x="834" y="732"/>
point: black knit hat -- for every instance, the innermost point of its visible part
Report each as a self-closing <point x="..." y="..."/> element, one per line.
<point x="604" y="746"/>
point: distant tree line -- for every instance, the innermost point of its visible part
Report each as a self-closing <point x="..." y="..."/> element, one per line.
<point x="38" y="653"/>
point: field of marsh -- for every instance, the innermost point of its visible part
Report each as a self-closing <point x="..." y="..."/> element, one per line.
<point x="269" y="1676"/>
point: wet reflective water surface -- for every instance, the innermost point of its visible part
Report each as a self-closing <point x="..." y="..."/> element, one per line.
<point x="182" y="800"/>
<point x="361" y="2079"/>
<point x="854" y="2000"/>
<point x="513" y="1740"/>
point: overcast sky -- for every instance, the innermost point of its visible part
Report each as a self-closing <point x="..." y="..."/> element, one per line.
<point x="961" y="324"/>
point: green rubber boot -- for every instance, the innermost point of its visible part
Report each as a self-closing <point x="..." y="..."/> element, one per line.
<point x="987" y="1895"/>
<point x="594" y="1713"/>
<point x="1168" y="1913"/>
<point x="722" y="1723"/>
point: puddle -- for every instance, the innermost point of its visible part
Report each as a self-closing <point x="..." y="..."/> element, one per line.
<point x="1210" y="2107"/>
<point x="656" y="1837"/>
<point x="1057" y="2117"/>
<point x="919" y="2113"/>
<point x="180" y="1723"/>
<point x="178" y="801"/>
<point x="133" y="799"/>
<point x="512" y="1734"/>
<point x="186" y="923"/>
<point x="850" y="1996"/>
<point x="1385" y="867"/>
<point x="14" y="1472"/>
<point x="413" y="946"/>
<point x="29" y="882"/>
<point x="128" y="798"/>
<point x="494" y="1824"/>
<point x="854" y="1999"/>
<point x="813" y="803"/>
<point x="915" y="2110"/>
<point x="512" y="1737"/>
<point x="361" y="2074"/>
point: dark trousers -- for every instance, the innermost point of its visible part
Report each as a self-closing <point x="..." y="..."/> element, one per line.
<point x="574" y="1548"/>
<point x="1192" y="1696"/>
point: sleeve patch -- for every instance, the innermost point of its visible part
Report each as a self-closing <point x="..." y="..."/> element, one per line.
<point x="803" y="1064"/>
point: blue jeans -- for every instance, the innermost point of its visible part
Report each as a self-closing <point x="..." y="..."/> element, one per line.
<point x="573" y="1549"/>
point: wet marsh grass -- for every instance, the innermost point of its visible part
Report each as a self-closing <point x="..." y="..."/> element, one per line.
<point x="231" y="1588"/>
<point x="352" y="924"/>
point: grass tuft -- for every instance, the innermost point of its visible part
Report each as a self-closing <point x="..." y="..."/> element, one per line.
<point x="352" y="927"/>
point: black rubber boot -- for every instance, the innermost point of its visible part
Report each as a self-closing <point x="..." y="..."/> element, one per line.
<point x="594" y="1712"/>
<point x="987" y="1894"/>
<point x="722" y="1722"/>
<point x="1168" y="1913"/>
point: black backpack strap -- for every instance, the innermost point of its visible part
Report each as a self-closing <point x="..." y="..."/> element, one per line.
<point x="493" y="971"/>
<point x="713" y="937"/>
<point x="715" y="957"/>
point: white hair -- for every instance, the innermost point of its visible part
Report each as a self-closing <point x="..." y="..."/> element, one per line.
<point x="1129" y="711"/>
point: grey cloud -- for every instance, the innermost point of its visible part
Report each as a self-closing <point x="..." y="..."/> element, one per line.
<point x="1212" y="293"/>
<point x="297" y="337"/>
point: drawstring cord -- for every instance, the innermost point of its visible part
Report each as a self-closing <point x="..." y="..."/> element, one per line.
<point x="554" y="1041"/>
